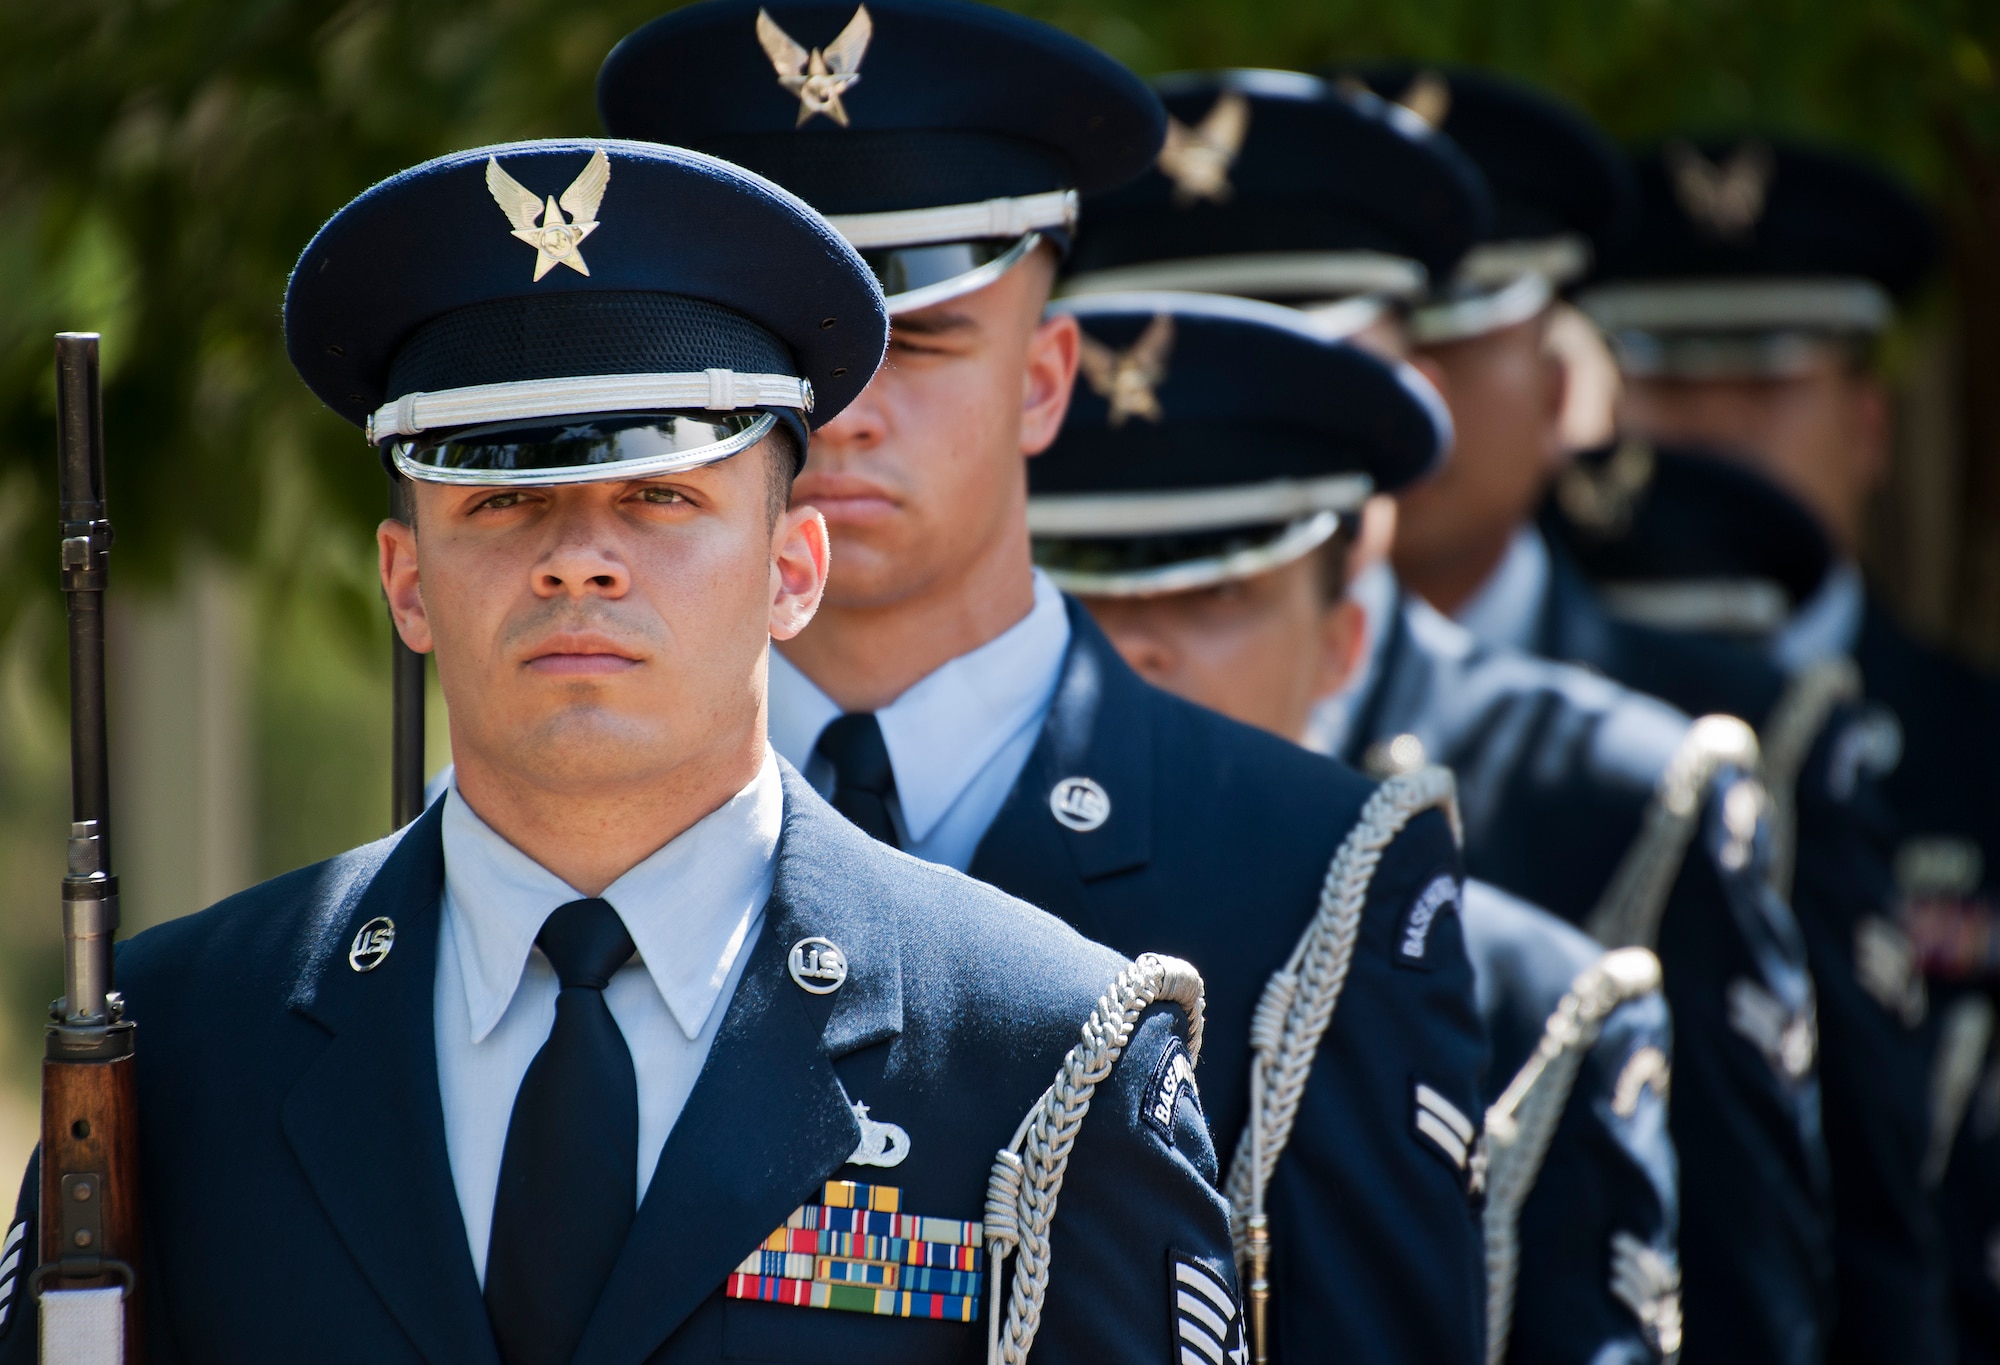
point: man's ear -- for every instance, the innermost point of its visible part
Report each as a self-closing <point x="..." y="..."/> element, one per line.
<point x="1343" y="630"/>
<point x="800" y="554"/>
<point x="396" y="556"/>
<point x="1053" y="348"/>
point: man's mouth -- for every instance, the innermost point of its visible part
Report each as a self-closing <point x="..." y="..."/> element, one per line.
<point x="582" y="656"/>
<point x="843" y="497"/>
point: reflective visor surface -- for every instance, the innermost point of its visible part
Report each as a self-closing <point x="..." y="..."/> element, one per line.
<point x="917" y="276"/>
<point x="580" y="450"/>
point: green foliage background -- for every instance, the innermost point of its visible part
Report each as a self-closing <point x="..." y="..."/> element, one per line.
<point x="162" y="162"/>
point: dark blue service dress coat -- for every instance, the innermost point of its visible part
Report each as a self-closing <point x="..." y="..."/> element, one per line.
<point x="1609" y="1179"/>
<point x="1555" y="770"/>
<point x="1945" y="792"/>
<point x="1874" y="1055"/>
<point x="299" y="1205"/>
<point x="1215" y="849"/>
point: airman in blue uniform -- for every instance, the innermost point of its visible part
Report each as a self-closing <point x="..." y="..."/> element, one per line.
<point x="951" y="700"/>
<point x="1216" y="567"/>
<point x="1745" y="310"/>
<point x="1564" y="779"/>
<point x="1565" y="199"/>
<point x="631" y="1049"/>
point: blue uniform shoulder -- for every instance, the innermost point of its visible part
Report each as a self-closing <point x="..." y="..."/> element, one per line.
<point x="274" y="934"/>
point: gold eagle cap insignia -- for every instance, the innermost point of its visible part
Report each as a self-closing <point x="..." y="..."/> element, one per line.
<point x="557" y="240"/>
<point x="1725" y="199"/>
<point x="1127" y="379"/>
<point x="819" y="76"/>
<point x="1198" y="159"/>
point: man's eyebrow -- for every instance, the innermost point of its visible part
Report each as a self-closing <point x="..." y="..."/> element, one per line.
<point x="933" y="322"/>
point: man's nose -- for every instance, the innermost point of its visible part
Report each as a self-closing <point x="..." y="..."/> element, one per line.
<point x="860" y="425"/>
<point x="583" y="561"/>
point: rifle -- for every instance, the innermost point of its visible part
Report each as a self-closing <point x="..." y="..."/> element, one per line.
<point x="406" y="691"/>
<point x="89" y="1220"/>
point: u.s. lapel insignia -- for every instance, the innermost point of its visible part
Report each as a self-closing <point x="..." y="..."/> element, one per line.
<point x="372" y="942"/>
<point x="1198" y="159"/>
<point x="1078" y="803"/>
<point x="1648" y="1282"/>
<point x="817" y="965"/>
<point x="858" y="1251"/>
<point x="882" y="1144"/>
<point x="1724" y="199"/>
<point x="556" y="240"/>
<point x="819" y="77"/>
<point x="1127" y="379"/>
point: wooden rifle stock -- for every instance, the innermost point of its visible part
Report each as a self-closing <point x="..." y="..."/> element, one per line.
<point x="89" y="1219"/>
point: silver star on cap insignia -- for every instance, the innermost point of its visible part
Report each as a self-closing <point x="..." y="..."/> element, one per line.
<point x="819" y="78"/>
<point x="1198" y="159"/>
<point x="543" y="227"/>
<point x="1126" y="379"/>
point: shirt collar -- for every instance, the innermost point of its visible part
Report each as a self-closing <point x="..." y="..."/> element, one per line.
<point x="690" y="906"/>
<point x="1508" y="606"/>
<point x="1827" y="624"/>
<point x="946" y="727"/>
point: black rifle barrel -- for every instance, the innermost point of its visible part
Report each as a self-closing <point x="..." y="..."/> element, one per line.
<point x="90" y="891"/>
<point x="406" y="689"/>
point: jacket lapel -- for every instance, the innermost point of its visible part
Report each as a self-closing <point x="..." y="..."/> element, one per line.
<point x="365" y="1119"/>
<point x="767" y="1121"/>
<point x="1099" y="727"/>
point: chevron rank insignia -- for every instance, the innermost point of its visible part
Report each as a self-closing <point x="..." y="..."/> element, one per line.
<point x="1788" y="1040"/>
<point x="1444" y="1126"/>
<point x="10" y="1270"/>
<point x="858" y="1251"/>
<point x="1208" y="1328"/>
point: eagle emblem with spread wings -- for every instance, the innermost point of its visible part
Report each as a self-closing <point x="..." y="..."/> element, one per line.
<point x="1724" y="199"/>
<point x="1198" y="159"/>
<point x="818" y="77"/>
<point x="543" y="227"/>
<point x="1127" y="379"/>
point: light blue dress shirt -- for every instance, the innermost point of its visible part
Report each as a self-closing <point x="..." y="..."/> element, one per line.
<point x="691" y="908"/>
<point x="1508" y="606"/>
<point x="957" y="738"/>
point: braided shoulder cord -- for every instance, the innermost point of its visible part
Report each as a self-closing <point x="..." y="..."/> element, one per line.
<point x="1789" y="732"/>
<point x="1298" y="1001"/>
<point x="1628" y="913"/>
<point x="1521" y="1124"/>
<point x="1028" y="1174"/>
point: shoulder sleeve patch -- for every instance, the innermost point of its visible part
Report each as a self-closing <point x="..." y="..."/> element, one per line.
<point x="1173" y="1077"/>
<point x="11" y="1277"/>
<point x="1413" y="937"/>
<point x="1207" y="1323"/>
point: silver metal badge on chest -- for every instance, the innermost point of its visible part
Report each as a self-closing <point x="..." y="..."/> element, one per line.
<point x="882" y="1144"/>
<point x="818" y="965"/>
<point x="1078" y="803"/>
<point x="372" y="942"/>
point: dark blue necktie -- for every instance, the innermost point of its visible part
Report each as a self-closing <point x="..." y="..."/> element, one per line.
<point x="569" y="1175"/>
<point x="862" y="777"/>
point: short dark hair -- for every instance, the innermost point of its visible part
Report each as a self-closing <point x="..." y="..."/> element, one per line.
<point x="783" y="460"/>
<point x="1330" y="559"/>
